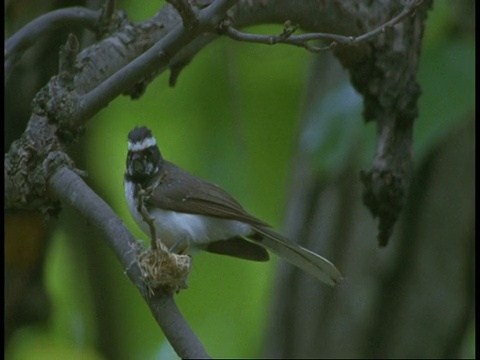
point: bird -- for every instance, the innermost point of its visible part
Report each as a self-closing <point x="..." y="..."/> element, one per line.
<point x="192" y="214"/>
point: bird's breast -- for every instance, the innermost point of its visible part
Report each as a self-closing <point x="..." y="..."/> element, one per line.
<point x="172" y="226"/>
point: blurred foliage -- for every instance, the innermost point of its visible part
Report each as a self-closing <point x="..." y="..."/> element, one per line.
<point x="232" y="119"/>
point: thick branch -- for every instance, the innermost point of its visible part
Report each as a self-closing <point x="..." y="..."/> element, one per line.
<point x="70" y="189"/>
<point x="60" y="111"/>
<point x="157" y="56"/>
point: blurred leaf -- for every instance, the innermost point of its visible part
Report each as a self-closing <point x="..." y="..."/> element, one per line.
<point x="72" y="319"/>
<point x="447" y="78"/>
<point x="334" y="129"/>
<point x="39" y="344"/>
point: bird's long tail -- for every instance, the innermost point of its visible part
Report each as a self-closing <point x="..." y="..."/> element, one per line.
<point x="305" y="259"/>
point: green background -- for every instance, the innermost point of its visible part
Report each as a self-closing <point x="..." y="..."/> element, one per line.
<point x="233" y="118"/>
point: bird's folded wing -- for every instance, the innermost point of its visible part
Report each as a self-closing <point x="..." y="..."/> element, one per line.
<point x="182" y="192"/>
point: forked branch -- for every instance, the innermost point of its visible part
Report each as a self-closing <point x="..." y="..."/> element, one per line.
<point x="287" y="37"/>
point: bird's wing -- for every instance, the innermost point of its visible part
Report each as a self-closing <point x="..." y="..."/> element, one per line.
<point x="180" y="191"/>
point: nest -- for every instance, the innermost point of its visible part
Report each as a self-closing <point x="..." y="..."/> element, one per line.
<point x="162" y="269"/>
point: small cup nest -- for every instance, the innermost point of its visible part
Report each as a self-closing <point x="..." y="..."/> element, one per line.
<point x="162" y="269"/>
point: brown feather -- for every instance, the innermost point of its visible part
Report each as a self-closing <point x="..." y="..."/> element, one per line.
<point x="179" y="191"/>
<point x="239" y="247"/>
<point x="182" y="192"/>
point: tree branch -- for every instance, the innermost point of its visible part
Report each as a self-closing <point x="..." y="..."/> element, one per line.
<point x="186" y="12"/>
<point x="59" y="111"/>
<point x="158" y="56"/>
<point x="287" y="37"/>
<point x="71" y="190"/>
<point x="16" y="45"/>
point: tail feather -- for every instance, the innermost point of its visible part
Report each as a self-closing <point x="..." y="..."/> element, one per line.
<point x="305" y="259"/>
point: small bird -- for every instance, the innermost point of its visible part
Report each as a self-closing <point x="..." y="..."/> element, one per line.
<point x="201" y="216"/>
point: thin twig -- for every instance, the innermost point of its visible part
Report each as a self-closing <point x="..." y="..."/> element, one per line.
<point x="295" y="40"/>
<point x="287" y="37"/>
<point x="409" y="9"/>
<point x="66" y="63"/>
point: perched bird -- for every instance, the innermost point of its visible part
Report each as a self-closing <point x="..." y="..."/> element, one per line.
<point x="194" y="214"/>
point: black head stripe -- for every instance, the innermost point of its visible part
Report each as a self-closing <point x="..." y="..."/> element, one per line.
<point x="139" y="134"/>
<point x="140" y="139"/>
